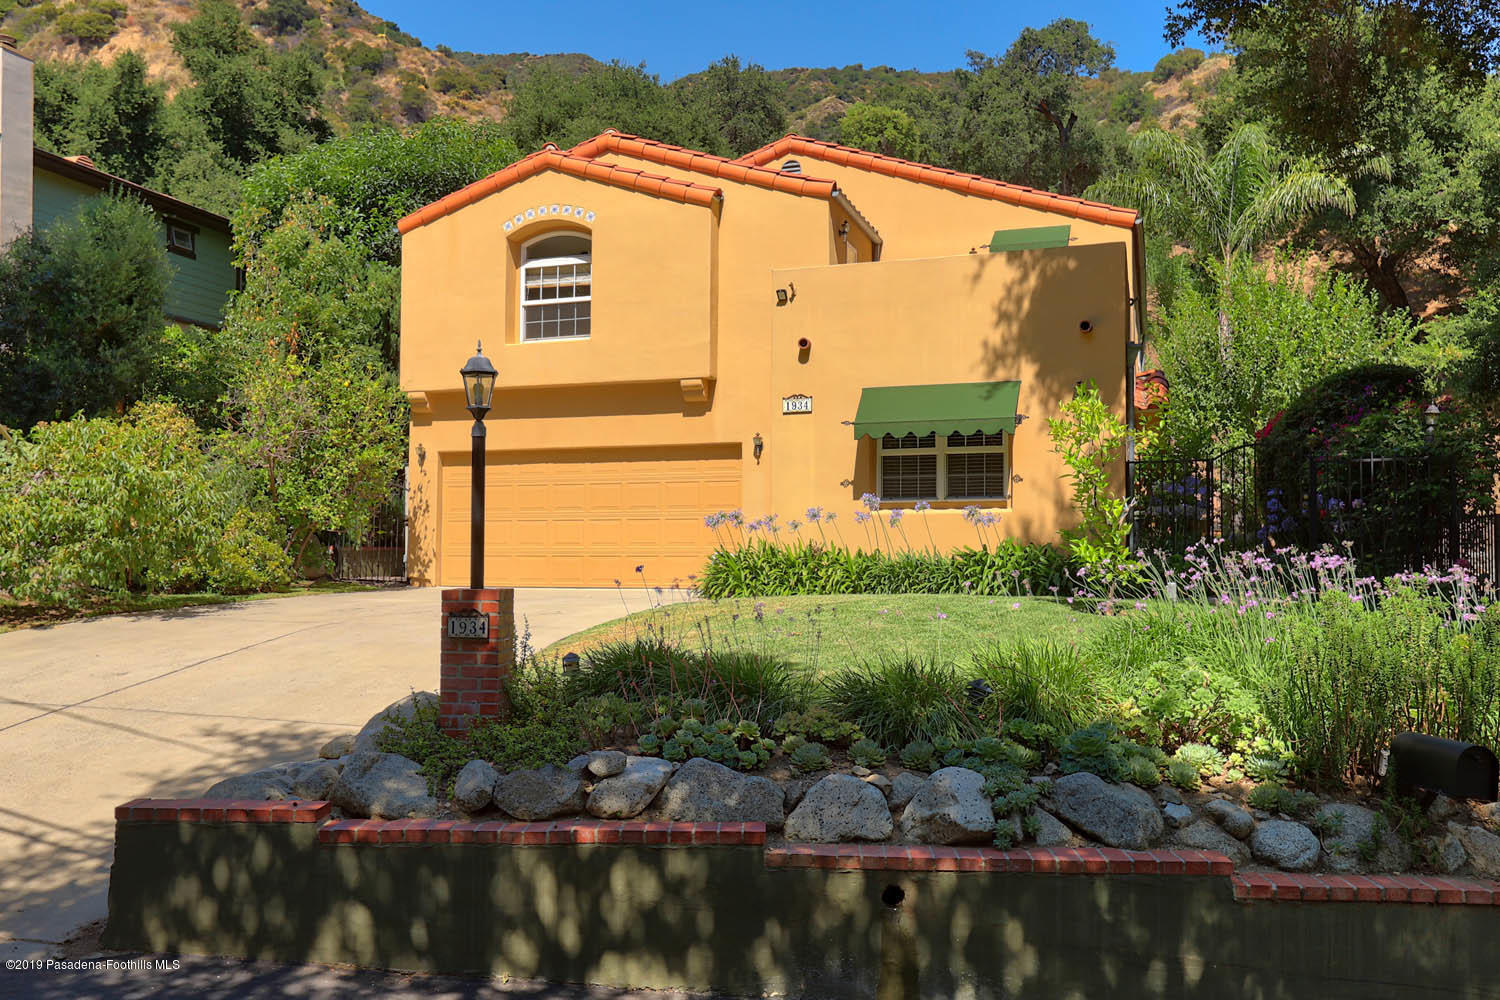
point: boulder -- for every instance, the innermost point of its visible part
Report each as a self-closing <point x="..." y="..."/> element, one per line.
<point x="838" y="808"/>
<point x="265" y="784"/>
<point x="383" y="786"/>
<point x="1167" y="795"/>
<point x="705" y="792"/>
<point x="1447" y="852"/>
<point x="541" y="794"/>
<point x="903" y="787"/>
<point x="1348" y="850"/>
<point x="631" y="791"/>
<point x="475" y="786"/>
<point x="1442" y="809"/>
<point x="881" y="782"/>
<point x="1206" y="835"/>
<point x="949" y="808"/>
<point x="1235" y="821"/>
<point x="1176" y="814"/>
<point x="606" y="763"/>
<point x="1286" y="845"/>
<point x="1482" y="847"/>
<point x="578" y="765"/>
<point x="1117" y="815"/>
<point x="1051" y="831"/>
<point x="337" y="747"/>
<point x="406" y="708"/>
<point x="795" y="789"/>
<point x="312" y="779"/>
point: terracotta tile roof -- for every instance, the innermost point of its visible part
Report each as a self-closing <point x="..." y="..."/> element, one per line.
<point x="551" y="158"/>
<point x="970" y="184"/>
<point x="1150" y="389"/>
<point x="739" y="171"/>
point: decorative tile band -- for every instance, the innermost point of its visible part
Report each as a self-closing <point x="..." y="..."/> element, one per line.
<point x="1248" y="886"/>
<point x="224" y="811"/>
<point x="1040" y="860"/>
<point x="433" y="831"/>
<point x="1286" y="887"/>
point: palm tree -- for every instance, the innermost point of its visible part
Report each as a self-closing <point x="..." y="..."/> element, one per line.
<point x="1246" y="195"/>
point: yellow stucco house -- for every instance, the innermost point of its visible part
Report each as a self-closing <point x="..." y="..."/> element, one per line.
<point x="679" y="334"/>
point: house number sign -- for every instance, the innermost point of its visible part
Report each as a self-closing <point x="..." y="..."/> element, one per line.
<point x="472" y="625"/>
<point x="796" y="404"/>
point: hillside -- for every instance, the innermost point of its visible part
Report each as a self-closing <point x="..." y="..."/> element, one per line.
<point x="375" y="72"/>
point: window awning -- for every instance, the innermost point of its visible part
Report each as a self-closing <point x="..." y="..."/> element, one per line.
<point x="1038" y="238"/>
<point x="965" y="407"/>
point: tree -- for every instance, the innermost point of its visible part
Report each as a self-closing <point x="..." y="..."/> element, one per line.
<point x="743" y="103"/>
<point x="1019" y="119"/>
<point x="1223" y="206"/>
<point x="81" y="310"/>
<point x="551" y="105"/>
<point x="369" y="179"/>
<point x="882" y="129"/>
<point x="283" y="16"/>
<point x="110" y="113"/>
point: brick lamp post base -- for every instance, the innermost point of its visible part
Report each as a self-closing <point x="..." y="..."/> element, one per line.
<point x="475" y="671"/>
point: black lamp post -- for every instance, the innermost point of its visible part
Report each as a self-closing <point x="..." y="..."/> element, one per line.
<point x="1429" y="421"/>
<point x="479" y="386"/>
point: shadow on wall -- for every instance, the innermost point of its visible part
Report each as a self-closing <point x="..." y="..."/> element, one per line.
<point x="717" y="918"/>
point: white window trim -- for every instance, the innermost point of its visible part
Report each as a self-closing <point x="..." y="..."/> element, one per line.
<point x="942" y="450"/>
<point x="528" y="264"/>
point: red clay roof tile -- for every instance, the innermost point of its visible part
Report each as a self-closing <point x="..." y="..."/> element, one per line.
<point x="740" y="170"/>
<point x="549" y="158"/>
<point x="953" y="180"/>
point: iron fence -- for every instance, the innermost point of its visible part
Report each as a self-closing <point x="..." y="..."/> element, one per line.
<point x="1392" y="513"/>
<point x="379" y="556"/>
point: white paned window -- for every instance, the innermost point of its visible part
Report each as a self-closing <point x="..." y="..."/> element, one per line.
<point x="956" y="467"/>
<point x="556" y="287"/>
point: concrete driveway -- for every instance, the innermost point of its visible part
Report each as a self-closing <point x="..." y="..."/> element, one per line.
<point x="98" y="712"/>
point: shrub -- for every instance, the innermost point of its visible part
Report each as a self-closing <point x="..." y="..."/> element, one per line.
<point x="1091" y="437"/>
<point x="1204" y="759"/>
<point x="896" y="701"/>
<point x="819" y="724"/>
<point x="1141" y="771"/>
<point x="919" y="756"/>
<point x="773" y="568"/>
<point x="1275" y="798"/>
<point x="1180" y="701"/>
<point x="738" y="745"/>
<point x="1103" y="750"/>
<point x="132" y="505"/>
<point x="736" y="685"/>
<point x="1043" y="682"/>
<point x="1178" y="63"/>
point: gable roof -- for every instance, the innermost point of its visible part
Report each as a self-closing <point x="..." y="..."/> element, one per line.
<point x="82" y="170"/>
<point x="952" y="180"/>
<point x="551" y="158"/>
<point x="611" y="141"/>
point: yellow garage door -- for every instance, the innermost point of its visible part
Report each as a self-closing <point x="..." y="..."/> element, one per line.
<point x="589" y="518"/>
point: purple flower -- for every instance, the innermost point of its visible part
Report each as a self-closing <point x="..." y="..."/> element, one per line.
<point x="860" y="517"/>
<point x="923" y="505"/>
<point x="1015" y="606"/>
<point x="871" y="501"/>
<point x="895" y="518"/>
<point x="941" y="617"/>
<point x="641" y="568"/>
<point x="831" y="516"/>
<point x="814" y="514"/>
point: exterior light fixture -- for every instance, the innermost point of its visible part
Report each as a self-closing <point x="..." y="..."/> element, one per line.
<point x="1430" y="419"/>
<point x="759" y="446"/>
<point x="479" y="387"/>
<point x="781" y="296"/>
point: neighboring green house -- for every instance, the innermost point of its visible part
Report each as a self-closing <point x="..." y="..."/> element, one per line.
<point x="38" y="188"/>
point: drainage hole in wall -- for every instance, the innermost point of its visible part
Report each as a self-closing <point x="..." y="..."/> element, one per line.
<point x="893" y="896"/>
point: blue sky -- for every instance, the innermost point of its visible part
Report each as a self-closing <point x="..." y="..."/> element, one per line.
<point x="675" y="39"/>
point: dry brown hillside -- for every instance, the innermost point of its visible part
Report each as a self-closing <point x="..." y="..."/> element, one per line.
<point x="1178" y="107"/>
<point x="375" y="71"/>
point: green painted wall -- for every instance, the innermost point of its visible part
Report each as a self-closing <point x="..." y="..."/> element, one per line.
<point x="715" y="918"/>
<point x="199" y="289"/>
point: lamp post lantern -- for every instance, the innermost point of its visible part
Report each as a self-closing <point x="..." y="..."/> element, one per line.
<point x="1429" y="421"/>
<point x="479" y="387"/>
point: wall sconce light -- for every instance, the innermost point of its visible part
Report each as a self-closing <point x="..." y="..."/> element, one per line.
<point x="781" y="298"/>
<point x="421" y="455"/>
<point x="1085" y="327"/>
<point x="758" y="445"/>
<point x="787" y="294"/>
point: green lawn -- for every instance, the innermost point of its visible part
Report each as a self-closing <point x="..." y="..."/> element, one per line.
<point x="828" y="632"/>
<point x="19" y="614"/>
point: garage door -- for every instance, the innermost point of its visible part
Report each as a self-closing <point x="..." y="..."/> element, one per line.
<point x="588" y="518"/>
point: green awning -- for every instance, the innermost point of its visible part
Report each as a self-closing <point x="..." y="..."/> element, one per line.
<point x="965" y="407"/>
<point x="1040" y="238"/>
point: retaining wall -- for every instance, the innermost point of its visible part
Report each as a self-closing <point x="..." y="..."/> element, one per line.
<point x="709" y="907"/>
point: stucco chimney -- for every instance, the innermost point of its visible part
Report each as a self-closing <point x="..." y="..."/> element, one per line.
<point x="15" y="141"/>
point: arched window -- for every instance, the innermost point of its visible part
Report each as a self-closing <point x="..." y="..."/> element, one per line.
<point x="556" y="287"/>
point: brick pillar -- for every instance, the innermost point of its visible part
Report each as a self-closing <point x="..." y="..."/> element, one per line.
<point x="475" y="671"/>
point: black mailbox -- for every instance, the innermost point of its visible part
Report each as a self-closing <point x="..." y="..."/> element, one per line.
<point x="1458" y="770"/>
